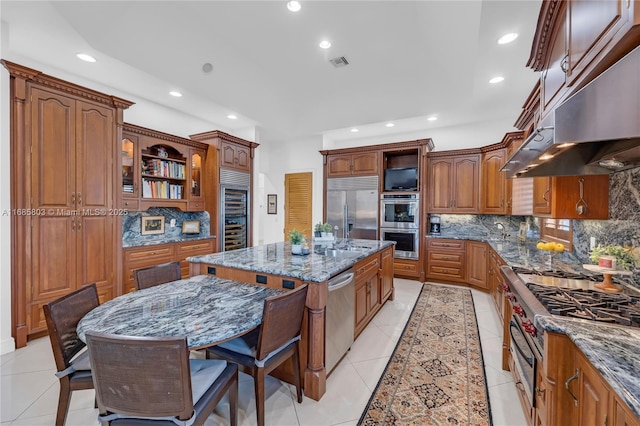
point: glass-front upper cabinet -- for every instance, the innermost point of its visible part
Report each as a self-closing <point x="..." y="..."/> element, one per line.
<point x="196" y="197"/>
<point x="129" y="172"/>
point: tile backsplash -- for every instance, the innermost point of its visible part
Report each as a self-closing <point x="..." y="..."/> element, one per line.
<point x="132" y="225"/>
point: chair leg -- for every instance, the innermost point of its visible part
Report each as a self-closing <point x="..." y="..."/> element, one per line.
<point x="258" y="379"/>
<point x="233" y="402"/>
<point x="63" y="401"/>
<point x="296" y="375"/>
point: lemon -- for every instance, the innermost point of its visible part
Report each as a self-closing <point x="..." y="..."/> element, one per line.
<point x="559" y="247"/>
<point x="540" y="245"/>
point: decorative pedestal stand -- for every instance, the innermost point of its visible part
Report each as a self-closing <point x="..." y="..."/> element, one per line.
<point x="607" y="283"/>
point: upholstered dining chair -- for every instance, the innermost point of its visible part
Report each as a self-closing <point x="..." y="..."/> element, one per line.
<point x="151" y="380"/>
<point x="277" y="339"/>
<point x="156" y="275"/>
<point x="74" y="370"/>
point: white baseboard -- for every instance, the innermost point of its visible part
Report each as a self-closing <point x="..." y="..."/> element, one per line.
<point x="7" y="345"/>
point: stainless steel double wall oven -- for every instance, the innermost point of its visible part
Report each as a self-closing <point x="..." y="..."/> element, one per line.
<point x="400" y="222"/>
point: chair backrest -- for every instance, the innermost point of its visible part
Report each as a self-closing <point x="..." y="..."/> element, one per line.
<point x="62" y="316"/>
<point x="158" y="274"/>
<point x="281" y="320"/>
<point x="141" y="376"/>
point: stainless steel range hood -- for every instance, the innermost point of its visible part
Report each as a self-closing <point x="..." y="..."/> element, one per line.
<point x="595" y="131"/>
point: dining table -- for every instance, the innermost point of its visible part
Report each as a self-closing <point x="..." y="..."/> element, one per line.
<point x="206" y="309"/>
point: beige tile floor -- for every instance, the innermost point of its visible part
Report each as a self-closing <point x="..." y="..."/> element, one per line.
<point x="29" y="390"/>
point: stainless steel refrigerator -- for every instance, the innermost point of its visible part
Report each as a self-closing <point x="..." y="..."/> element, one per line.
<point x="352" y="206"/>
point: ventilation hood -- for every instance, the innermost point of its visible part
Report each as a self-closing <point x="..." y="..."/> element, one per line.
<point x="595" y="131"/>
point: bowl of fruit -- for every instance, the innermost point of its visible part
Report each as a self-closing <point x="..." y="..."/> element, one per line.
<point x="552" y="248"/>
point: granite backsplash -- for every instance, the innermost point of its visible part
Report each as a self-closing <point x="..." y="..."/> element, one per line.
<point x="132" y="225"/>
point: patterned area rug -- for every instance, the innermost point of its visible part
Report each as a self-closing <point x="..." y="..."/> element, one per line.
<point x="436" y="373"/>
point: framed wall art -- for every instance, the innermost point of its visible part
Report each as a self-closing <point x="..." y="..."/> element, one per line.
<point x="272" y="203"/>
<point x="152" y="225"/>
<point x="191" y="227"/>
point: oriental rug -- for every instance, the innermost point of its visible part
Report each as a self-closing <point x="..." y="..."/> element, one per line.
<point x="436" y="373"/>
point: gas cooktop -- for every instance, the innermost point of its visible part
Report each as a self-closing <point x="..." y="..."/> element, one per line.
<point x="588" y="304"/>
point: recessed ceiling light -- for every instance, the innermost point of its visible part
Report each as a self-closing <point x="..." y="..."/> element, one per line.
<point x="389" y="125"/>
<point x="432" y="118"/>
<point x="232" y="117"/>
<point x="207" y="68"/>
<point x="175" y="93"/>
<point x="325" y="44"/>
<point x="495" y="80"/>
<point x="354" y="130"/>
<point x="294" y="6"/>
<point x="85" y="57"/>
<point x="507" y="38"/>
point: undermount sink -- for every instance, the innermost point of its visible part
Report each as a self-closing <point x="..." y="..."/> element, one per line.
<point x="349" y="252"/>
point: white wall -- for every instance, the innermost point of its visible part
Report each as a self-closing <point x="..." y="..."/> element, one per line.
<point x="7" y="343"/>
<point x="274" y="161"/>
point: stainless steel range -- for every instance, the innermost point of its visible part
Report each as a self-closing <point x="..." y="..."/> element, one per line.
<point x="532" y="293"/>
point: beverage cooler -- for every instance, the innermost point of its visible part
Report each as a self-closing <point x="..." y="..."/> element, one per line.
<point x="234" y="210"/>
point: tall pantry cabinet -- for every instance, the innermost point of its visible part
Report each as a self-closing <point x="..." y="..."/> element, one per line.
<point x="63" y="190"/>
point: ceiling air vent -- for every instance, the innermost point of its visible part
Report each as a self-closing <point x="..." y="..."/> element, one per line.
<point x="339" y="61"/>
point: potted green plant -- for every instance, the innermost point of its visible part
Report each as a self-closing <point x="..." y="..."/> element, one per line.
<point x="295" y="238"/>
<point x="318" y="229"/>
<point x="327" y="229"/>
<point x="625" y="257"/>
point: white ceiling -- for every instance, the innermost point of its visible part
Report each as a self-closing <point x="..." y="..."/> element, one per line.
<point x="408" y="60"/>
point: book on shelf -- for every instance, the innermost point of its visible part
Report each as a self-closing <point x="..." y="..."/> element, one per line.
<point x="163" y="168"/>
<point x="161" y="189"/>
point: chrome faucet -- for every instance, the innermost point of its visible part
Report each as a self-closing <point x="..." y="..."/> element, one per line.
<point x="502" y="228"/>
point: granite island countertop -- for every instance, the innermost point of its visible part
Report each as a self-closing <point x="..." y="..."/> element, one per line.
<point x="613" y="350"/>
<point x="277" y="259"/>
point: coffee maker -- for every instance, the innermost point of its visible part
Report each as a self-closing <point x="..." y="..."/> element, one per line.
<point x="434" y="224"/>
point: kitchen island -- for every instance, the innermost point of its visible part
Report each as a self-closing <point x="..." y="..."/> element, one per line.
<point x="273" y="265"/>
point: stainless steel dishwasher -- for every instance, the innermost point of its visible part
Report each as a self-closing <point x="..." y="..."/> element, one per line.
<point x="340" y="317"/>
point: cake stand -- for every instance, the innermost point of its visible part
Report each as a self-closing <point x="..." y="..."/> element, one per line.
<point x="607" y="283"/>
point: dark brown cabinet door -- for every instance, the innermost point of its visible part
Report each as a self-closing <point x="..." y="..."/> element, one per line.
<point x="73" y="241"/>
<point x="386" y="274"/>
<point x="365" y="163"/>
<point x="542" y="196"/>
<point x="440" y="185"/>
<point x="553" y="78"/>
<point x="466" y="184"/>
<point x="477" y="264"/>
<point x="494" y="183"/>
<point x="235" y="156"/>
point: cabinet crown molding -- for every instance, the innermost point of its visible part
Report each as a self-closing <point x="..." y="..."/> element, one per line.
<point x="549" y="14"/>
<point x="35" y="76"/>
<point x="218" y="134"/>
<point x="128" y="127"/>
<point x="387" y="146"/>
<point x="456" y="152"/>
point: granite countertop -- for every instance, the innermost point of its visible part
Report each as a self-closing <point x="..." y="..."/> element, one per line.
<point x="613" y="350"/>
<point x="142" y="243"/>
<point x="276" y="258"/>
<point x="204" y="308"/>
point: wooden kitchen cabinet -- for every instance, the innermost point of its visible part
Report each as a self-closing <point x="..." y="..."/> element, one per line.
<point x="142" y="257"/>
<point x="564" y="197"/>
<point x="453" y="183"/>
<point x="446" y="259"/>
<point x="494" y="182"/>
<point x="406" y="268"/>
<point x="580" y="39"/>
<point x="565" y="370"/>
<point x="386" y="274"/>
<point x="477" y="264"/>
<point x="364" y="163"/>
<point x="367" y="288"/>
<point x="495" y="281"/>
<point x="235" y="156"/>
<point x="592" y="394"/>
<point x="166" y="171"/>
<point x="65" y="151"/>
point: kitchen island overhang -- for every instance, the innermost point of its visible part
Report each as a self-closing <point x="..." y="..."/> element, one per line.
<point x="274" y="265"/>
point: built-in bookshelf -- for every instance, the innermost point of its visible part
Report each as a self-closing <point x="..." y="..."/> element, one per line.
<point x="163" y="172"/>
